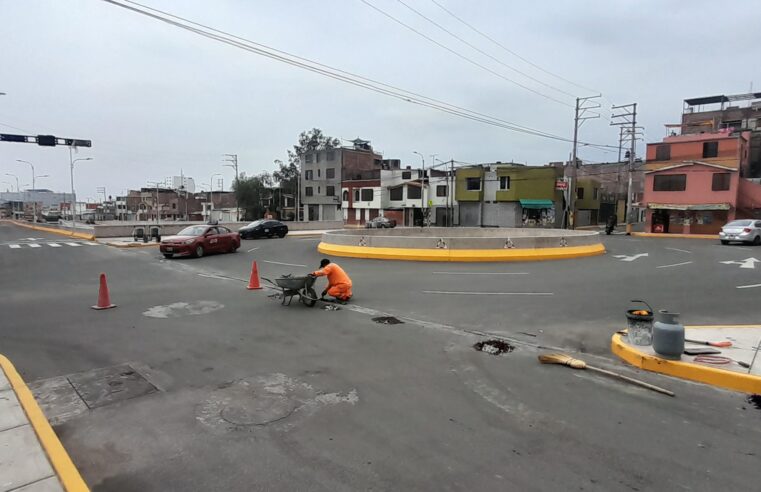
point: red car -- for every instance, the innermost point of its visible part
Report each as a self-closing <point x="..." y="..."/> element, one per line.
<point x="198" y="240"/>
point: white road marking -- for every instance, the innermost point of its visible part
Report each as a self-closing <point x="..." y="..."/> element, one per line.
<point x="286" y="264"/>
<point x="34" y="245"/>
<point x="92" y="243"/>
<point x="487" y="293"/>
<point x="680" y="250"/>
<point x="73" y="244"/>
<point x="746" y="263"/>
<point x="481" y="273"/>
<point x="630" y="258"/>
<point x="748" y="286"/>
<point x="14" y="246"/>
<point x="252" y="249"/>
<point x="675" y="264"/>
<point x="54" y="245"/>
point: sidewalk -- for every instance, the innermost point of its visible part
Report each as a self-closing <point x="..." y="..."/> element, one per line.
<point x="31" y="456"/>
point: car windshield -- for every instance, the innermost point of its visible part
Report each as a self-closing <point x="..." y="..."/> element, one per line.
<point x="739" y="223"/>
<point x="192" y="231"/>
<point x="255" y="223"/>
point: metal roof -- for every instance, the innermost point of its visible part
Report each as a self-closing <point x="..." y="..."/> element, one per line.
<point x="699" y="101"/>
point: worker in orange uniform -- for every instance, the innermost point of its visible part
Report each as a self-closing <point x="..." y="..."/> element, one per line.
<point x="339" y="284"/>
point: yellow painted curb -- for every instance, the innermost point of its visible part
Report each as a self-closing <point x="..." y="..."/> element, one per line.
<point x="61" y="232"/>
<point x="680" y="236"/>
<point x="59" y="458"/>
<point x="736" y="381"/>
<point x="464" y="255"/>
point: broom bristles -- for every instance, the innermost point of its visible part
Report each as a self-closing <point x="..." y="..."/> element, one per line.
<point x="562" y="359"/>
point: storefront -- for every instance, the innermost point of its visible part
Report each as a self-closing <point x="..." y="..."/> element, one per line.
<point x="538" y="213"/>
<point x="673" y="218"/>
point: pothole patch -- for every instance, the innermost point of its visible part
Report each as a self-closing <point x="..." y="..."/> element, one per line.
<point x="181" y="309"/>
<point x="494" y="347"/>
<point x="388" y="320"/>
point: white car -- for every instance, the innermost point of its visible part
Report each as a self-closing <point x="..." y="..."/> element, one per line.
<point x="746" y="231"/>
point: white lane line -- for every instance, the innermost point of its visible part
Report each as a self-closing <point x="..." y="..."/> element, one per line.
<point x="675" y="264"/>
<point x="680" y="250"/>
<point x="286" y="264"/>
<point x="14" y="246"/>
<point x="92" y="243"/>
<point x="54" y="245"/>
<point x="252" y="249"/>
<point x="748" y="286"/>
<point x="73" y="244"/>
<point x="34" y="245"/>
<point x="487" y="293"/>
<point x="481" y="273"/>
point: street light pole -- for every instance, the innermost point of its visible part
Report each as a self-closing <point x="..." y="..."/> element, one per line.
<point x="72" y="161"/>
<point x="422" y="191"/>
<point x="211" y="193"/>
<point x="234" y="159"/>
<point x="18" y="192"/>
<point x="158" y="203"/>
<point x="34" y="186"/>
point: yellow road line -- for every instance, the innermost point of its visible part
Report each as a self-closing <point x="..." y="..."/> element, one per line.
<point x="59" y="458"/>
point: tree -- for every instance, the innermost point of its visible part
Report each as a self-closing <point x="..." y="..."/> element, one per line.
<point x="311" y="140"/>
<point x="254" y="195"/>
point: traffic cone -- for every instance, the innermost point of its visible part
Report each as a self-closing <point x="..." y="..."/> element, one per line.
<point x="253" y="283"/>
<point x="104" y="300"/>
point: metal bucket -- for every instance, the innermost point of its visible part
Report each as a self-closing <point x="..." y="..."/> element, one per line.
<point x="640" y="326"/>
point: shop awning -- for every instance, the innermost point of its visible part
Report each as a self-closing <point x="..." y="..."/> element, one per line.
<point x="537" y="204"/>
<point x="682" y="206"/>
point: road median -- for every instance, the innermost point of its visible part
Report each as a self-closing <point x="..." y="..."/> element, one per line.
<point x="53" y="230"/>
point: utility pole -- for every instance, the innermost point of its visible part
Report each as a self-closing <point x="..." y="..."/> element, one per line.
<point x="627" y="120"/>
<point x="158" y="204"/>
<point x="233" y="158"/>
<point x="18" y="192"/>
<point x="422" y="191"/>
<point x="583" y="105"/>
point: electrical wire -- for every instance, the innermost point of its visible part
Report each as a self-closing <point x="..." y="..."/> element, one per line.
<point x="337" y="74"/>
<point x="460" y="55"/>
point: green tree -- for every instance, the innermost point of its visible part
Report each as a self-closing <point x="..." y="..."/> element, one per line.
<point x="254" y="193"/>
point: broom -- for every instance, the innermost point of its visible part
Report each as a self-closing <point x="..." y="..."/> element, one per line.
<point x="567" y="360"/>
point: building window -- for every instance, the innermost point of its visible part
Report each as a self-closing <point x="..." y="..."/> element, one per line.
<point x="316" y="157"/>
<point x="595" y="193"/>
<point x="579" y="193"/>
<point x="330" y="173"/>
<point x="318" y="190"/>
<point x="330" y="155"/>
<point x="504" y="182"/>
<point x="318" y="173"/>
<point x="308" y="175"/>
<point x="441" y="190"/>
<point x="710" y="149"/>
<point x="473" y="184"/>
<point x="356" y="194"/>
<point x="346" y="195"/>
<point x="330" y="190"/>
<point x="174" y="205"/>
<point x="406" y="174"/>
<point x="308" y="158"/>
<point x="720" y="182"/>
<point x="397" y="194"/>
<point x="367" y="194"/>
<point x="413" y="192"/>
<point x="308" y="191"/>
<point x="670" y="182"/>
<point x="663" y="153"/>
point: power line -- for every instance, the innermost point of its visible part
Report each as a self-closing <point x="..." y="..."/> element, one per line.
<point x="337" y="74"/>
<point x="509" y="50"/>
<point x="476" y="48"/>
<point x="460" y="55"/>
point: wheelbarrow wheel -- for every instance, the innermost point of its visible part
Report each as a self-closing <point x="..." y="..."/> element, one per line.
<point x="312" y="299"/>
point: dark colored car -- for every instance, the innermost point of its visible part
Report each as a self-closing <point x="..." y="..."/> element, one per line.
<point x="199" y="240"/>
<point x="380" y="223"/>
<point x="263" y="228"/>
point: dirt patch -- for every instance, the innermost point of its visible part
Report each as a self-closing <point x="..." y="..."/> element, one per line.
<point x="388" y="320"/>
<point x="754" y="400"/>
<point x="494" y="347"/>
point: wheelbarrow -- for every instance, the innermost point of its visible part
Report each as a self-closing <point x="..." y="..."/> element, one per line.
<point x="300" y="287"/>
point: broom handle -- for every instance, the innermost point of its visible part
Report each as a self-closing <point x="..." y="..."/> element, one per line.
<point x="632" y="380"/>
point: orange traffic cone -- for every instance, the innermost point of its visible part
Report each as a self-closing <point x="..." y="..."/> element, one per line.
<point x="253" y="283"/>
<point x="104" y="300"/>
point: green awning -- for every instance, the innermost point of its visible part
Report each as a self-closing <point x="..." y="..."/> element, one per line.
<point x="537" y="204"/>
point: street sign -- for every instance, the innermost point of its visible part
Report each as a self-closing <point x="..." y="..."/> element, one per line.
<point x="561" y="184"/>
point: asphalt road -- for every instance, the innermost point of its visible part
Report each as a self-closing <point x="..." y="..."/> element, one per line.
<point x="245" y="394"/>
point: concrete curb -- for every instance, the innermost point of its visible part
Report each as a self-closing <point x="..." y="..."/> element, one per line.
<point x="680" y="236"/>
<point x="67" y="473"/>
<point x="463" y="255"/>
<point x="62" y="232"/>
<point x="736" y="381"/>
<point x="132" y="245"/>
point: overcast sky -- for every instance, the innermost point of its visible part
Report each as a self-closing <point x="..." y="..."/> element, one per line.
<point x="155" y="99"/>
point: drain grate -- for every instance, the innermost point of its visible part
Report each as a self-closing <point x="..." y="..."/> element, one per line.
<point x="754" y="400"/>
<point x="494" y="347"/>
<point x="388" y="320"/>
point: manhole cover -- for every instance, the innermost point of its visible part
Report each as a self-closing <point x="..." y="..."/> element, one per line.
<point x="754" y="400"/>
<point x="494" y="347"/>
<point x="388" y="320"/>
<point x="104" y="386"/>
<point x="260" y="410"/>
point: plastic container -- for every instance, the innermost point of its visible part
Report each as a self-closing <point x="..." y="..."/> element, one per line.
<point x="668" y="335"/>
<point x="640" y="326"/>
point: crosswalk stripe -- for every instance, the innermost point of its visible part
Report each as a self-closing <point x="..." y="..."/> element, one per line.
<point x="34" y="245"/>
<point x="14" y="246"/>
<point x="73" y="244"/>
<point x="54" y="245"/>
<point x="92" y="243"/>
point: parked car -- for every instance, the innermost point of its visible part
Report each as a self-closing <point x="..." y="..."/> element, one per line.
<point x="746" y="231"/>
<point x="199" y="240"/>
<point x="263" y="228"/>
<point x="380" y="223"/>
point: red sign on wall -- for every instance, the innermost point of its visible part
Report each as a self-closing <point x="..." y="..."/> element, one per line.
<point x="561" y="184"/>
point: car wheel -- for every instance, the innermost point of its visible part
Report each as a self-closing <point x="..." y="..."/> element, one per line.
<point x="724" y="242"/>
<point x="199" y="251"/>
<point x="756" y="240"/>
<point x="281" y="235"/>
<point x="168" y="255"/>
